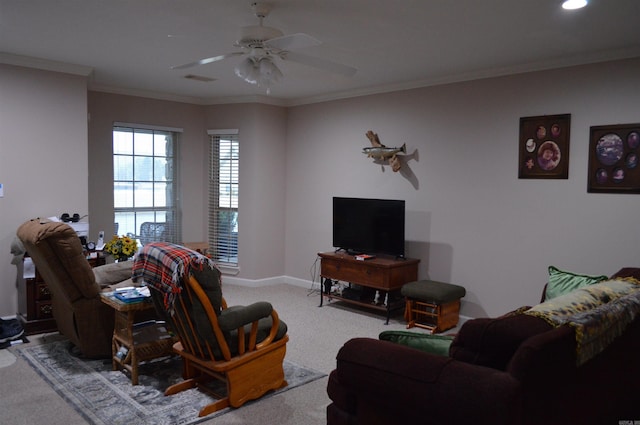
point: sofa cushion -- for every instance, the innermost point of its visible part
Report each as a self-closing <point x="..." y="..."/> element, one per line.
<point x="491" y="342"/>
<point x="562" y="282"/>
<point x="435" y="344"/>
<point x="628" y="272"/>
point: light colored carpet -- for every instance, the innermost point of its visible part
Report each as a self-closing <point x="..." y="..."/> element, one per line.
<point x="316" y="334"/>
<point x="6" y="358"/>
<point x="106" y="397"/>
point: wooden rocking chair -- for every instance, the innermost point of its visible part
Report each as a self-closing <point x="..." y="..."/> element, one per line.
<point x="243" y="346"/>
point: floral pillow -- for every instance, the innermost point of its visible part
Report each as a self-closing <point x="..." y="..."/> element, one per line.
<point x="562" y="282"/>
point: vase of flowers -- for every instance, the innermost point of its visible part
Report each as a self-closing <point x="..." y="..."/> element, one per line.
<point x="121" y="247"/>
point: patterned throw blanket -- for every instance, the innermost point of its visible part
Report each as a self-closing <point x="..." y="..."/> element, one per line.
<point x="598" y="313"/>
<point x="162" y="265"/>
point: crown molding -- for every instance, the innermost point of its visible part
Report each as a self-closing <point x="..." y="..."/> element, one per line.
<point x="45" y="64"/>
<point x="563" y="62"/>
<point x="186" y="99"/>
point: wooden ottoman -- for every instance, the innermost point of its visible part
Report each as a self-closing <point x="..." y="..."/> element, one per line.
<point x="432" y="305"/>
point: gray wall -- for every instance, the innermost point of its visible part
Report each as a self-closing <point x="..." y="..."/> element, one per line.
<point x="262" y="141"/>
<point x="104" y="110"/>
<point x="43" y="156"/>
<point x="470" y="219"/>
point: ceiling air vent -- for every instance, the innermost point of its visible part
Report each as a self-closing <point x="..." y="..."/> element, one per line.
<point x="199" y="78"/>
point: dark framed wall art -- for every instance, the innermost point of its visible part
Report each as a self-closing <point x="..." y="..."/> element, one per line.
<point x="544" y="147"/>
<point x="613" y="158"/>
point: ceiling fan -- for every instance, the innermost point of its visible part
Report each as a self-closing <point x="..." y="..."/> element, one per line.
<point x="261" y="44"/>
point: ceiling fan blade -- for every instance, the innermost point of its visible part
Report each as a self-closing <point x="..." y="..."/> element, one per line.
<point x="293" y="42"/>
<point x="334" y="67"/>
<point x="208" y="60"/>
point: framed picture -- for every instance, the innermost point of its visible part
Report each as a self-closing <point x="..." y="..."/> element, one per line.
<point x="613" y="158"/>
<point x="544" y="147"/>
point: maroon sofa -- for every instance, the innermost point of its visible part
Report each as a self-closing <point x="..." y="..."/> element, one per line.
<point x="514" y="369"/>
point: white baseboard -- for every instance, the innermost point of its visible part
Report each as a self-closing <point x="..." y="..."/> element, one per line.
<point x="303" y="283"/>
<point x="256" y="283"/>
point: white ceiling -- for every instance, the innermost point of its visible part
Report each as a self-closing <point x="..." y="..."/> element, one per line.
<point x="129" y="46"/>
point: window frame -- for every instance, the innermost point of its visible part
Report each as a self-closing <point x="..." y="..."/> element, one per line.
<point x="170" y="211"/>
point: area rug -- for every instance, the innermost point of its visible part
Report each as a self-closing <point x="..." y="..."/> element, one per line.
<point x="106" y="397"/>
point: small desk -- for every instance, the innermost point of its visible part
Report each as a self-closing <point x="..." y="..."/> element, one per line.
<point x="143" y="341"/>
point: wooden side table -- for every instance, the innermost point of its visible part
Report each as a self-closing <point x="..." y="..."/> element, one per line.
<point x="135" y="342"/>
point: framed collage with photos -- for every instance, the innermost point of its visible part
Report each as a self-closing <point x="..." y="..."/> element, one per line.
<point x="613" y="159"/>
<point x="544" y="147"/>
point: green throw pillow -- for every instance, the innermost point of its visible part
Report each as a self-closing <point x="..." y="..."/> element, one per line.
<point x="434" y="344"/>
<point x="562" y="282"/>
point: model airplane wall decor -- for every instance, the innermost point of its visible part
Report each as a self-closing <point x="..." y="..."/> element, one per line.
<point x="383" y="153"/>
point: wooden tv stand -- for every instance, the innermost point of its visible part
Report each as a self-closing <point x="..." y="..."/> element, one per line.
<point x="380" y="278"/>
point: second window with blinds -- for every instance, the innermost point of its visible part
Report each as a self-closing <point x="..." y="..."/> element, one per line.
<point x="224" y="160"/>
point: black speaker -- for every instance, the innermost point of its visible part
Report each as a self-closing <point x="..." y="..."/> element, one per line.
<point x="327" y="285"/>
<point x="67" y="218"/>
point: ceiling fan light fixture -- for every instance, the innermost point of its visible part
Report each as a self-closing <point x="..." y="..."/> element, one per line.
<point x="260" y="71"/>
<point x="269" y="72"/>
<point x="574" y="4"/>
<point x="248" y="71"/>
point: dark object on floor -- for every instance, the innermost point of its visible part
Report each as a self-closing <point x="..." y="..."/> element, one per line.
<point x="10" y="331"/>
<point x="516" y="369"/>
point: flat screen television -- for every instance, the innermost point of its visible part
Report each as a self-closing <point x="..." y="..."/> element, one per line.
<point x="369" y="226"/>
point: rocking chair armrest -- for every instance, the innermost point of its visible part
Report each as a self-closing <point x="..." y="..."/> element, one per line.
<point x="238" y="316"/>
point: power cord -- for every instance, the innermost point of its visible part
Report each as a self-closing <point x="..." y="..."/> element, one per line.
<point x="314" y="274"/>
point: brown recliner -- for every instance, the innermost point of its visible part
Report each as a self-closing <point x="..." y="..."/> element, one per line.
<point x="75" y="287"/>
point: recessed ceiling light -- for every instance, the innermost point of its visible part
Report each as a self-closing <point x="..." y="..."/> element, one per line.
<point x="574" y="4"/>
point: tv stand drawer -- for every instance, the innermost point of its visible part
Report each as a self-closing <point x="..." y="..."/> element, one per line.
<point x="361" y="274"/>
<point x="383" y="273"/>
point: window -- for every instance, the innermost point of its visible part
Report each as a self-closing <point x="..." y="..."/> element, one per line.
<point x="223" y="197"/>
<point x="145" y="197"/>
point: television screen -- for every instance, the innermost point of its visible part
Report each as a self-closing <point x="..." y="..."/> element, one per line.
<point x="369" y="226"/>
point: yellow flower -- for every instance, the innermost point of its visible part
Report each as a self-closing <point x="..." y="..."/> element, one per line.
<point x="122" y="247"/>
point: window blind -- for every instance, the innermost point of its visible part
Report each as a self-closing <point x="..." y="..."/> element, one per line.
<point x="224" y="159"/>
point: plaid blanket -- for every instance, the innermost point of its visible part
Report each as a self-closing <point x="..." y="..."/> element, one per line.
<point x="162" y="265"/>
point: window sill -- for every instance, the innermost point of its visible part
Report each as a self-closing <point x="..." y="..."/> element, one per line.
<point x="228" y="270"/>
